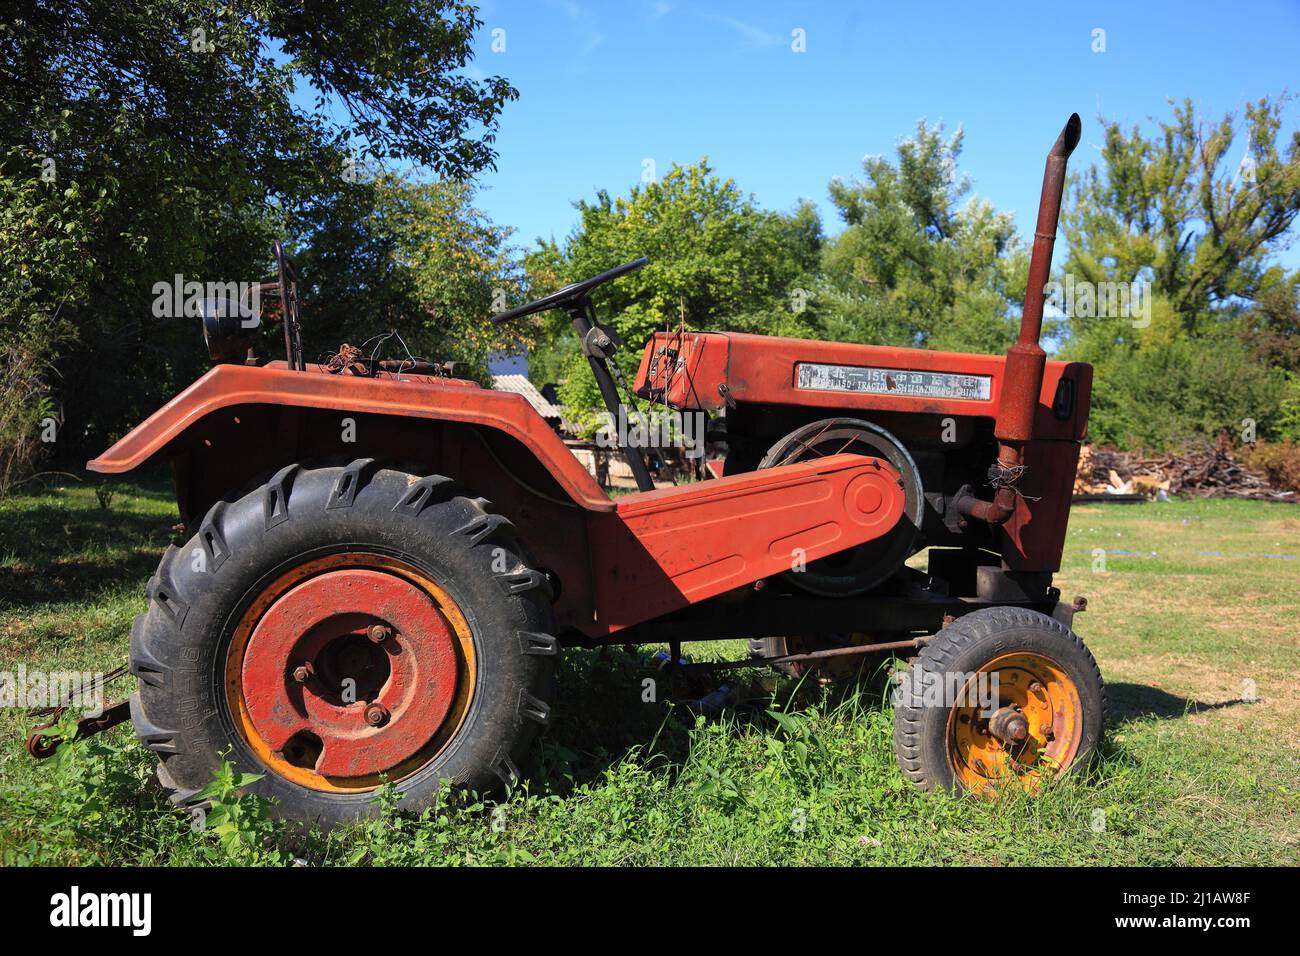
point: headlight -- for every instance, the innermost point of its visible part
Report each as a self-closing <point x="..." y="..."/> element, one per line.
<point x="228" y="332"/>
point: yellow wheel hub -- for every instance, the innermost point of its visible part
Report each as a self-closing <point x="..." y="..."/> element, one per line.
<point x="1018" y="718"/>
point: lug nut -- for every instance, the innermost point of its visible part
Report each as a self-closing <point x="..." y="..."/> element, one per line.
<point x="376" y="715"/>
<point x="1047" y="732"/>
<point x="378" y="633"/>
<point x="1035" y="688"/>
<point x="303" y="673"/>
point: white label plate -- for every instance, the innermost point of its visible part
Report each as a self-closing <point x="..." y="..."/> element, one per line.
<point x="893" y="381"/>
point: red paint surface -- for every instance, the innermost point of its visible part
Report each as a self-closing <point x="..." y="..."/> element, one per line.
<point x="295" y="630"/>
<point x="620" y="564"/>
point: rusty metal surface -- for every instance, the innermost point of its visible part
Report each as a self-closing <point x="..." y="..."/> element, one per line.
<point x="395" y="709"/>
<point x="651" y="553"/>
<point x="830" y="653"/>
<point x="708" y="370"/>
<point x="717" y="369"/>
<point x="1033" y="537"/>
<point x="41" y="745"/>
<point x="1026" y="360"/>
<point x="226" y="386"/>
<point x="1018" y="391"/>
<point x="1009" y="723"/>
<point x="663" y="550"/>
<point x="287" y="286"/>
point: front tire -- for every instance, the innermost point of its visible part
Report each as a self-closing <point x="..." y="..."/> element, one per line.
<point x="1001" y="695"/>
<point x="338" y="628"/>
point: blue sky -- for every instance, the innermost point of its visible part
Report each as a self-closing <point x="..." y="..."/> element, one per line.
<point x="605" y="86"/>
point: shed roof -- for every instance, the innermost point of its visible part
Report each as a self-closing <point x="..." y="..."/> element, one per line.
<point x="520" y="385"/>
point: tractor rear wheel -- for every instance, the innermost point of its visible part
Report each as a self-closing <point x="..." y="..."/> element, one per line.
<point x="339" y="628"/>
<point x="1001" y="695"/>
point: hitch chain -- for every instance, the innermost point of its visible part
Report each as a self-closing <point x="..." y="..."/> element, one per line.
<point x="41" y="746"/>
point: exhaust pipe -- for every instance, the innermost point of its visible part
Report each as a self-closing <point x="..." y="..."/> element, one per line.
<point x="1022" y="377"/>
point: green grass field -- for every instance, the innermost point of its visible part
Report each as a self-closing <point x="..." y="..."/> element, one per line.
<point x="1193" y="621"/>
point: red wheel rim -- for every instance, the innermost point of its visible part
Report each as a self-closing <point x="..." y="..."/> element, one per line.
<point x="349" y="671"/>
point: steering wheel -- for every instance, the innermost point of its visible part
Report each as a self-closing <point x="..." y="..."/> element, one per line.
<point x="570" y="293"/>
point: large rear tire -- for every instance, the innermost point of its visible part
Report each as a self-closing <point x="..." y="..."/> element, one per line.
<point x="338" y="628"/>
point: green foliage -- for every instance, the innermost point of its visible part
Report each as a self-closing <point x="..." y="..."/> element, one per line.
<point x="94" y="790"/>
<point x="44" y="231"/>
<point x="797" y="751"/>
<point x="239" y="821"/>
<point x="915" y="265"/>
<point x="1166" y="391"/>
<point x="712" y="252"/>
<point x="1288" y="423"/>
<point x="73" y="798"/>
<point x="1171" y="207"/>
<point x="104" y="493"/>
<point x="145" y="141"/>
<point x="1172" y="210"/>
<point x="388" y="253"/>
<point x="1271" y="326"/>
<point x="26" y="411"/>
<point x="716" y="262"/>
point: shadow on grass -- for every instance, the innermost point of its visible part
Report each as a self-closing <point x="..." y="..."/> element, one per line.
<point x="1133" y="701"/>
<point x="605" y="710"/>
<point x="57" y="554"/>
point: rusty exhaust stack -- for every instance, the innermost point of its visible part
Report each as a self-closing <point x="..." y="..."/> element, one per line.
<point x="1022" y="377"/>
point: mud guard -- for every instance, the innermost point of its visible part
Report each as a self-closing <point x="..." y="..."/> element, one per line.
<point x="646" y="554"/>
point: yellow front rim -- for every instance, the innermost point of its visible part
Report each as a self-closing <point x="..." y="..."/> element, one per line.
<point x="1034" y="695"/>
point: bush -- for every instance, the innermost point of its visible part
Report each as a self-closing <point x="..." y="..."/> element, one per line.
<point x="1280" y="461"/>
<point x="1289" y="412"/>
<point x="25" y="407"/>
<point x="1167" y="394"/>
<point x="42" y="249"/>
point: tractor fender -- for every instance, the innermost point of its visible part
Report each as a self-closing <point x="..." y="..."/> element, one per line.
<point x="417" y="397"/>
<point x="621" y="562"/>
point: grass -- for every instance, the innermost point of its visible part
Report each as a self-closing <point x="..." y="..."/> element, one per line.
<point x="1192" y="616"/>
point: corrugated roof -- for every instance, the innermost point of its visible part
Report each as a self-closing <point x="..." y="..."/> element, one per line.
<point x="520" y="385"/>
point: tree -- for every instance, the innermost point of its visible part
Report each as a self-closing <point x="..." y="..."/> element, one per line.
<point x="1174" y="210"/>
<point x="1272" y="326"/>
<point x="417" y="258"/>
<point x="717" y="261"/>
<point x="165" y="139"/>
<point x="915" y="265"/>
<point x="1173" y="214"/>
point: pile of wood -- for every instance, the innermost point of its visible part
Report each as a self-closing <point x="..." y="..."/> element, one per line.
<point x="1211" y="470"/>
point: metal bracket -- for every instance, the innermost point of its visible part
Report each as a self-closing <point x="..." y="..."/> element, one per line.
<point x="41" y="745"/>
<point x="915" y="643"/>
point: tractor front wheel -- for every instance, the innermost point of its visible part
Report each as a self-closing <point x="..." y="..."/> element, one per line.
<point x="339" y="628"/>
<point x="1001" y="695"/>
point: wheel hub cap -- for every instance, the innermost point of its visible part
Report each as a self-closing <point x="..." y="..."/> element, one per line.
<point x="325" y="696"/>
<point x="1037" y="725"/>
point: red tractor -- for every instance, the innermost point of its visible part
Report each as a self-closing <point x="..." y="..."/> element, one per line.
<point x="383" y="562"/>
